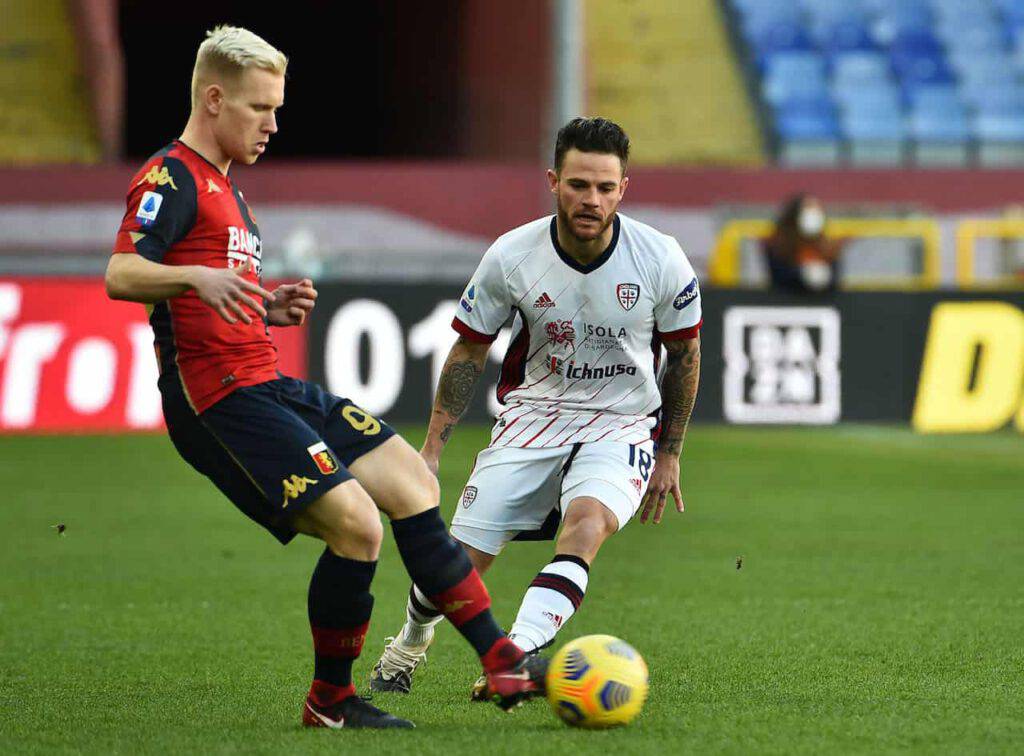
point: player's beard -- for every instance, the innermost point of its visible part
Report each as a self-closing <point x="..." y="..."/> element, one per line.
<point x="566" y="222"/>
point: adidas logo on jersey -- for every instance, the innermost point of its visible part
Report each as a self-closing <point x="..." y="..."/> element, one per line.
<point x="544" y="301"/>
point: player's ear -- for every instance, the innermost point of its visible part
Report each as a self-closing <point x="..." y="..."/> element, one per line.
<point x="622" y="186"/>
<point x="213" y="98"/>
<point x="553" y="181"/>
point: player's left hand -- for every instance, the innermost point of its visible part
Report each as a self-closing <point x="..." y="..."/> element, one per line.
<point x="664" y="481"/>
<point x="292" y="302"/>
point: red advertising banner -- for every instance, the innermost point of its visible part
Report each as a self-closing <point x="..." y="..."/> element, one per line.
<point x="72" y="360"/>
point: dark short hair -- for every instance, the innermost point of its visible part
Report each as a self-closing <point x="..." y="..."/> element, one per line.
<point x="591" y="135"/>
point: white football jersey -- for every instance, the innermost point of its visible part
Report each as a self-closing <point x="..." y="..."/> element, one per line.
<point x="583" y="360"/>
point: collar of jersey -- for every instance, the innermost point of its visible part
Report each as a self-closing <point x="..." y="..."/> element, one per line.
<point x="199" y="155"/>
<point x="576" y="264"/>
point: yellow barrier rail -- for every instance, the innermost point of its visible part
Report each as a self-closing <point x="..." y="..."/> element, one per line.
<point x="967" y="235"/>
<point x="724" y="266"/>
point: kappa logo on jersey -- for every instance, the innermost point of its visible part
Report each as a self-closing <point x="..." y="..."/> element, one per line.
<point x="469" y="298"/>
<point x="628" y="295"/>
<point x="560" y="331"/>
<point x="294" y="487"/>
<point x="149" y="207"/>
<point x="468" y="496"/>
<point x="556" y="619"/>
<point x="159" y="177"/>
<point x="212" y="188"/>
<point x="323" y="458"/>
<point x="544" y="301"/>
<point x="686" y="296"/>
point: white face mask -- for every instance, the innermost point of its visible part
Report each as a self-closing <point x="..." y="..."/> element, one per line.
<point x="811" y="221"/>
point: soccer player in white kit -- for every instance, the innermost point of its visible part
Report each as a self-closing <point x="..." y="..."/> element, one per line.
<point x="587" y="436"/>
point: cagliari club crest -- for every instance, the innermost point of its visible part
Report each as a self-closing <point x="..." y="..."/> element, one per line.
<point x="628" y="294"/>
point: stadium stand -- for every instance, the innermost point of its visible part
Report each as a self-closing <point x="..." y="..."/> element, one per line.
<point x="665" y="71"/>
<point x="887" y="82"/>
<point x="45" y="116"/>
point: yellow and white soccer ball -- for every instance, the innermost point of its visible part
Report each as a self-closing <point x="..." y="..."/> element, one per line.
<point x="597" y="681"/>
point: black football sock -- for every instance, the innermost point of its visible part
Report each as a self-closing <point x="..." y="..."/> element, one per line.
<point x="440" y="568"/>
<point x="339" y="615"/>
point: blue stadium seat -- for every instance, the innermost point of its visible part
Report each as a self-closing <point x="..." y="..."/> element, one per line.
<point x="1007" y="127"/>
<point x="782" y="88"/>
<point x="939" y="127"/>
<point x="968" y="60"/>
<point x="945" y="77"/>
<point x="897" y="20"/>
<point x="961" y="7"/>
<point x="873" y="128"/>
<point x="806" y="119"/>
<point x="780" y="37"/>
<point x="845" y="36"/>
<point x="998" y="100"/>
<point x="860" y="68"/>
<point x="913" y="71"/>
<point x="880" y="98"/>
<point x="755" y="24"/>
<point x="989" y="87"/>
<point x="978" y="38"/>
<point x="1011" y="12"/>
<point x="915" y="42"/>
<point x="936" y="99"/>
<point x="795" y="64"/>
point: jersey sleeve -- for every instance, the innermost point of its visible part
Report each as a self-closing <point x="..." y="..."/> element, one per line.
<point x="161" y="209"/>
<point x="485" y="304"/>
<point x="677" y="314"/>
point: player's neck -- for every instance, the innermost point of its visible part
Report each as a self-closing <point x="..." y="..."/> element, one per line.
<point x="198" y="139"/>
<point x="584" y="252"/>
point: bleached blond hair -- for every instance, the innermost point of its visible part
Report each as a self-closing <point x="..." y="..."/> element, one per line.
<point x="227" y="51"/>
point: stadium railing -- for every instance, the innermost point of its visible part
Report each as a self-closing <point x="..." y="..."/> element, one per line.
<point x="724" y="267"/>
<point x="968" y="234"/>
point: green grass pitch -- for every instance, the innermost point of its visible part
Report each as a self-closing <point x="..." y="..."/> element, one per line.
<point x="879" y="607"/>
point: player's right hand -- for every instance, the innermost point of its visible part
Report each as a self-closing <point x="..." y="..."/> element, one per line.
<point x="225" y="290"/>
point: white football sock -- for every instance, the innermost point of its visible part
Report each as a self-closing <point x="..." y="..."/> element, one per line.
<point x="552" y="598"/>
<point x="421" y="617"/>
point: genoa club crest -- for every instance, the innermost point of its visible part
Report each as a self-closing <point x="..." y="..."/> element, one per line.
<point x="323" y="458"/>
<point x="628" y="295"/>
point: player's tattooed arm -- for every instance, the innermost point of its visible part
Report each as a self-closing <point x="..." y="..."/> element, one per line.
<point x="678" y="392"/>
<point x="455" y="389"/>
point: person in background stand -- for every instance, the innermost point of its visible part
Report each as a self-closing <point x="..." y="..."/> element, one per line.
<point x="800" y="257"/>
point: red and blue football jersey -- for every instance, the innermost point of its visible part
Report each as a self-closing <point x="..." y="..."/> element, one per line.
<point x="181" y="210"/>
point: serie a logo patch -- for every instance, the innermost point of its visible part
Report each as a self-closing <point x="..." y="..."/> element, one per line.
<point x="149" y="208"/>
<point x="323" y="458"/>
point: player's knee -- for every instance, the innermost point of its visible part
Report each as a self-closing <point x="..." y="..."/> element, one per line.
<point x="587" y="525"/>
<point x="346" y="519"/>
<point x="368" y="532"/>
<point x="420" y="491"/>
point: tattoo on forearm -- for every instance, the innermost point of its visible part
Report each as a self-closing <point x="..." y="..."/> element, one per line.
<point x="455" y="390"/>
<point x="679" y="392"/>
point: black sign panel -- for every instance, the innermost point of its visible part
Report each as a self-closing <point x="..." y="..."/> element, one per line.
<point x="766" y="358"/>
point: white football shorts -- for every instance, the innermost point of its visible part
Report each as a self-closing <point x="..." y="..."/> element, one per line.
<point x="514" y="490"/>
